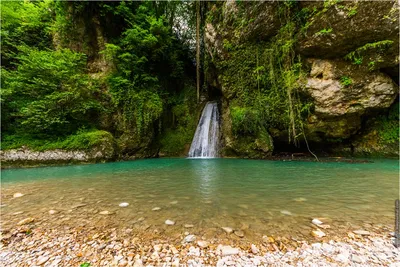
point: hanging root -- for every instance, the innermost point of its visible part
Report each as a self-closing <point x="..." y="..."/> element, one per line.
<point x="308" y="148"/>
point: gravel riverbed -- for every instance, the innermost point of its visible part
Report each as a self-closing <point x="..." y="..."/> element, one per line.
<point x="25" y="246"/>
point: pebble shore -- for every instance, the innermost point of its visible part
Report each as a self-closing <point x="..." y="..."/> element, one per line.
<point x="24" y="246"/>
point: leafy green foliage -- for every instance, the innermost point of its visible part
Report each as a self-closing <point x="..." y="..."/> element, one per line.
<point x="145" y="58"/>
<point x="85" y="264"/>
<point x="24" y="23"/>
<point x="48" y="93"/>
<point x="180" y="131"/>
<point x="346" y="81"/>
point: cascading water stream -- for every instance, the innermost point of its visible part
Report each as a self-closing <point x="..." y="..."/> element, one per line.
<point x="205" y="140"/>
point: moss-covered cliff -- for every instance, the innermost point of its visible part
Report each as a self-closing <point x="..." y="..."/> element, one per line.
<point x="322" y="72"/>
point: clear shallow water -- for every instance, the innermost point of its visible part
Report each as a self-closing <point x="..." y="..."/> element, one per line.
<point x="212" y="193"/>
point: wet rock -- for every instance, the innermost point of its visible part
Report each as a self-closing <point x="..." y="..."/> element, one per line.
<point x="169" y="222"/>
<point x="138" y="263"/>
<point x="228" y="230"/>
<point x="17" y="195"/>
<point x="316" y="222"/>
<point x="26" y="221"/>
<point x="123" y="204"/>
<point x="123" y="263"/>
<point x="356" y="259"/>
<point x="202" y="244"/>
<point x="361" y="232"/>
<point x="189" y="239"/>
<point x="188" y="226"/>
<point x="268" y="239"/>
<point x="156" y="209"/>
<point x="318" y="233"/>
<point x="174" y="250"/>
<point x="239" y="233"/>
<point x="254" y="249"/>
<point x="42" y="260"/>
<point x="228" y="250"/>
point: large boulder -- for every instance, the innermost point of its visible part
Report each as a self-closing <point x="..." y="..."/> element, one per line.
<point x="342" y="93"/>
<point x="337" y="28"/>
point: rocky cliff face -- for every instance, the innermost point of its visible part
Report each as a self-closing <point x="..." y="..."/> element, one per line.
<point x="346" y="72"/>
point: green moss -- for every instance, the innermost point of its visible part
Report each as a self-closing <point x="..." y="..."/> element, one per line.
<point x="356" y="56"/>
<point x="388" y="126"/>
<point x="324" y="32"/>
<point x="83" y="140"/>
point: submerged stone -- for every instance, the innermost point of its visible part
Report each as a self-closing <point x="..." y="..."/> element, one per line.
<point x="286" y="212"/>
<point x="26" y="221"/>
<point x="123" y="204"/>
<point x="361" y="232"/>
<point x="228" y="230"/>
<point x="105" y="212"/>
<point x="17" y="195"/>
<point x="239" y="233"/>
<point x="169" y="222"/>
<point x="156" y="209"/>
<point x="316" y="222"/>
<point x="189" y="239"/>
<point x="318" y="233"/>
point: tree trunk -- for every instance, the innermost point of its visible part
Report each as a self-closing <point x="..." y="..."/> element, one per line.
<point x="198" y="49"/>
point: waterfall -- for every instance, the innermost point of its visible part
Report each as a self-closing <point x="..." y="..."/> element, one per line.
<point x="205" y="140"/>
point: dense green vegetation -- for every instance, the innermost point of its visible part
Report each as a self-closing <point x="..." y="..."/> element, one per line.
<point x="50" y="96"/>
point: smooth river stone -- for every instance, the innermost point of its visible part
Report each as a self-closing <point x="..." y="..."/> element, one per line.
<point x="51" y="212"/>
<point x="123" y="204"/>
<point x="188" y="226"/>
<point x="156" y="208"/>
<point x="173" y="202"/>
<point x="228" y="250"/>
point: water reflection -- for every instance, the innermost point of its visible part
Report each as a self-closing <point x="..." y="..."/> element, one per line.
<point x="205" y="173"/>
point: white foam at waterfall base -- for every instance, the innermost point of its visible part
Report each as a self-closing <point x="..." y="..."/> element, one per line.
<point x="205" y="140"/>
